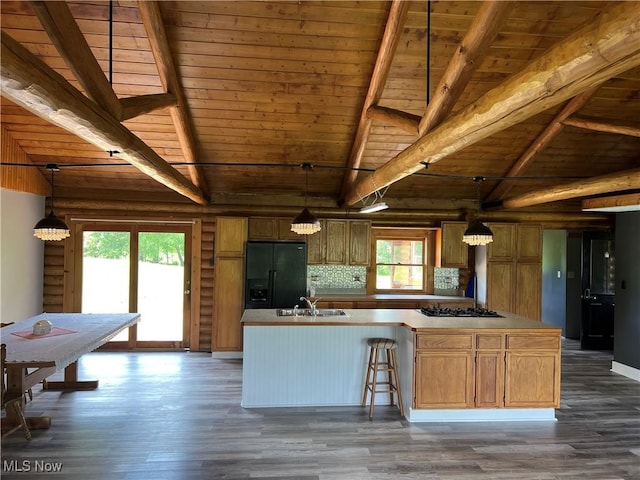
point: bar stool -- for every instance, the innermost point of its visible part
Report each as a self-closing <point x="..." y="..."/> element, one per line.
<point x="390" y="366"/>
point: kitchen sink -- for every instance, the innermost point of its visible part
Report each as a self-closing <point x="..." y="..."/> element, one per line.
<point x="306" y="312"/>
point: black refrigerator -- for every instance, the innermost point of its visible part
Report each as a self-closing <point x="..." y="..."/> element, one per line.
<point x="276" y="274"/>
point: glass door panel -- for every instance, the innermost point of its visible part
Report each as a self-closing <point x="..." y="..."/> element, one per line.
<point x="105" y="273"/>
<point x="161" y="286"/>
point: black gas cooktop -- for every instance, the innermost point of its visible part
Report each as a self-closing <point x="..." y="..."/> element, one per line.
<point x="458" y="312"/>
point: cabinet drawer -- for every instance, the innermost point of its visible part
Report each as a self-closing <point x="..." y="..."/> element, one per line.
<point x="442" y="342"/>
<point x="488" y="342"/>
<point x="533" y="342"/>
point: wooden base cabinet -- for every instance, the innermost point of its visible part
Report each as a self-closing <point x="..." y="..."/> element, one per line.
<point x="487" y="370"/>
<point x="529" y="380"/>
<point x="444" y="371"/>
<point x="532" y="371"/>
<point x="444" y="380"/>
<point x="489" y="380"/>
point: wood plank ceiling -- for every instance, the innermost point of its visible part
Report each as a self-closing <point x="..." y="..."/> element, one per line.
<point x="247" y="91"/>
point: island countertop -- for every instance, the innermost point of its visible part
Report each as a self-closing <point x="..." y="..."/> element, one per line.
<point x="408" y="318"/>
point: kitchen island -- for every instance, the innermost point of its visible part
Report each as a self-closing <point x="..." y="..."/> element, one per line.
<point x="451" y="368"/>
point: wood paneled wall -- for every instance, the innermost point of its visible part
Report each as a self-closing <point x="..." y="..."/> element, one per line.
<point x="20" y="178"/>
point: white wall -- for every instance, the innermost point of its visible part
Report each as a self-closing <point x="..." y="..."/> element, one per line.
<point x="21" y="256"/>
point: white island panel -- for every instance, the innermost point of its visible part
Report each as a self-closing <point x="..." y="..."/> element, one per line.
<point x="307" y="365"/>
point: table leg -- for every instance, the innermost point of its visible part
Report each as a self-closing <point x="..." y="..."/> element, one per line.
<point x="18" y="381"/>
<point x="71" y="381"/>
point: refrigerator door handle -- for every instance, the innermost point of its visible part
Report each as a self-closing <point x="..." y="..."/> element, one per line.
<point x="272" y="286"/>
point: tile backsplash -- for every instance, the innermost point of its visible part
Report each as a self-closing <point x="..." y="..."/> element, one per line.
<point x="336" y="276"/>
<point x="446" y="279"/>
<point x="346" y="276"/>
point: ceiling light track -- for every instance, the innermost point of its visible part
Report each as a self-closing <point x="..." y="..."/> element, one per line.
<point x="451" y="176"/>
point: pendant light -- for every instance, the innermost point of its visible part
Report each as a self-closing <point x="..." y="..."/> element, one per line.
<point x="305" y="223"/>
<point x="478" y="233"/>
<point x="51" y="227"/>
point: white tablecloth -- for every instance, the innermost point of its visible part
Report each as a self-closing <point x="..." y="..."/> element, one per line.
<point x="91" y="330"/>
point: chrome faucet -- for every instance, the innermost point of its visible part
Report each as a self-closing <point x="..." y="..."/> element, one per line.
<point x="311" y="305"/>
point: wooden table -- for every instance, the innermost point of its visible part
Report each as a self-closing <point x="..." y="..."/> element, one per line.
<point x="45" y="355"/>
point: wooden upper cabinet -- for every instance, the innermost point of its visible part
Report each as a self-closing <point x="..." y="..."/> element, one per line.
<point x="266" y="228"/>
<point x="284" y="231"/>
<point x="336" y="242"/>
<point x="503" y="247"/>
<point x="315" y="246"/>
<point x="454" y="252"/>
<point x="529" y="243"/>
<point x="263" y="228"/>
<point x="340" y="242"/>
<point x="359" y="242"/>
<point x="231" y="236"/>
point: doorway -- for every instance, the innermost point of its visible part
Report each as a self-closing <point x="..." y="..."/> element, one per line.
<point x="598" y="290"/>
<point x="138" y="268"/>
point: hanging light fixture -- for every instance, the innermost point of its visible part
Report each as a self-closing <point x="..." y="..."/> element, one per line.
<point x="376" y="204"/>
<point x="51" y="227"/>
<point x="478" y="233"/>
<point x="305" y="223"/>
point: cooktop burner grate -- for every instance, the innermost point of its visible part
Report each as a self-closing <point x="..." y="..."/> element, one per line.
<point x="459" y="312"/>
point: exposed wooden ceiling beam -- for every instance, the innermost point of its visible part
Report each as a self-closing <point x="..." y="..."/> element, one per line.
<point x="613" y="182"/>
<point x="476" y="42"/>
<point x="152" y="20"/>
<point x="135" y="106"/>
<point x="612" y="203"/>
<point x="29" y="82"/>
<point x="540" y="143"/>
<point x="65" y="34"/>
<point x="62" y="29"/>
<point x="603" y="48"/>
<point x="600" y="126"/>
<point x="390" y="116"/>
<point x="390" y="39"/>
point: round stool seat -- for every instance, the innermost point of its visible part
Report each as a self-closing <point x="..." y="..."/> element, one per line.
<point x="386" y="343"/>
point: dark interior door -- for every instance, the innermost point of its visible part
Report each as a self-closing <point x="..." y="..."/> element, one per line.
<point x="598" y="290"/>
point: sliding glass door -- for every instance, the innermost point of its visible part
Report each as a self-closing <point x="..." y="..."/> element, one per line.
<point x="138" y="268"/>
<point x="161" y="286"/>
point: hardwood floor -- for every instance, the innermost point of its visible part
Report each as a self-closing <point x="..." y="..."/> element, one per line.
<point x="178" y="416"/>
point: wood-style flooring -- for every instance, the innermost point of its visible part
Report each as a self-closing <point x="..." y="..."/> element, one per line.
<point x="170" y="415"/>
